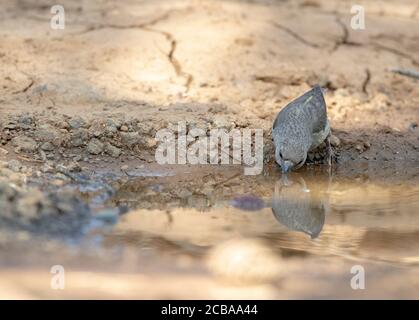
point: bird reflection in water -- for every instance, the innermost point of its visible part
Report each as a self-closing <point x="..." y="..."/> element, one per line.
<point x="299" y="208"/>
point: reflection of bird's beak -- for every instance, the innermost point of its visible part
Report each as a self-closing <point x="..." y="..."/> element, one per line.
<point x="286" y="166"/>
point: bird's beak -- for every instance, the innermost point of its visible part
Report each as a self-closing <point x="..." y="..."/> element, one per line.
<point x="286" y="166"/>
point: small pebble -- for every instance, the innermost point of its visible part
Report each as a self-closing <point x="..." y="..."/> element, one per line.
<point x="334" y="141"/>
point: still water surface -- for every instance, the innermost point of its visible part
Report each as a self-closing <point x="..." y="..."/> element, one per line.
<point x="219" y="234"/>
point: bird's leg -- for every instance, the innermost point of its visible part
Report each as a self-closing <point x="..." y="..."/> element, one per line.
<point x="330" y="152"/>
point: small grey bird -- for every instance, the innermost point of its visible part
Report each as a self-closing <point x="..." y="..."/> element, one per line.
<point x="299" y="208"/>
<point x="300" y="127"/>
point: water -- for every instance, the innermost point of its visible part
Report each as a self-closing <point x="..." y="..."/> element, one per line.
<point x="214" y="233"/>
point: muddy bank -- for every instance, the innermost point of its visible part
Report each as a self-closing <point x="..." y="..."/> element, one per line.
<point x="79" y="182"/>
<point x="41" y="138"/>
<point x="140" y="72"/>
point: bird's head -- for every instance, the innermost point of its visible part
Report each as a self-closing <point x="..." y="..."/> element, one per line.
<point x="290" y="156"/>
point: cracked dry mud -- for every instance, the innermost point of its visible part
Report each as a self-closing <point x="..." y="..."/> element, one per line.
<point x="80" y="107"/>
<point x="233" y="61"/>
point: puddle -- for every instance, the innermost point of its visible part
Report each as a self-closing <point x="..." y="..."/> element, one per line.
<point x="209" y="233"/>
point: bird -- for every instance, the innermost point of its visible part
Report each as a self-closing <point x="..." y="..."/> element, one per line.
<point x="299" y="208"/>
<point x="301" y="126"/>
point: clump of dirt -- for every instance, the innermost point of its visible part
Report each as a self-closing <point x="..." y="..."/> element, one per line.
<point x="73" y="137"/>
<point x="78" y="139"/>
<point x="30" y="209"/>
<point x="30" y="200"/>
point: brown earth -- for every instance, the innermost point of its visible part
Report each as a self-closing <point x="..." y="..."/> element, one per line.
<point x="211" y="63"/>
<point x="89" y="99"/>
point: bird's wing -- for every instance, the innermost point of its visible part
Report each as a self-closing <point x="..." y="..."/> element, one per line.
<point x="310" y="108"/>
<point x="318" y="137"/>
<point x="277" y="119"/>
<point x="317" y="110"/>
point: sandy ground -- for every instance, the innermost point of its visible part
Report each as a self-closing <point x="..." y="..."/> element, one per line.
<point x="232" y="63"/>
<point x="91" y="98"/>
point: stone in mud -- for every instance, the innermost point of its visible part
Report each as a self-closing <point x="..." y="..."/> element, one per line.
<point x="130" y="139"/>
<point x="111" y="127"/>
<point x="14" y="165"/>
<point x="24" y="143"/>
<point x="97" y="128"/>
<point x="66" y="170"/>
<point x="118" y="119"/>
<point x="113" y="151"/>
<point x="77" y="122"/>
<point x="63" y="125"/>
<point x="334" y="141"/>
<point x="147" y="127"/>
<point x="95" y="146"/>
<point x="77" y="158"/>
<point x="10" y="125"/>
<point x="48" y="133"/>
<point x="47" y="168"/>
<point x="62" y="177"/>
<point x="221" y="122"/>
<point x="74" y="167"/>
<point x="79" y="137"/>
<point x="47" y="146"/>
<point x="25" y="122"/>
